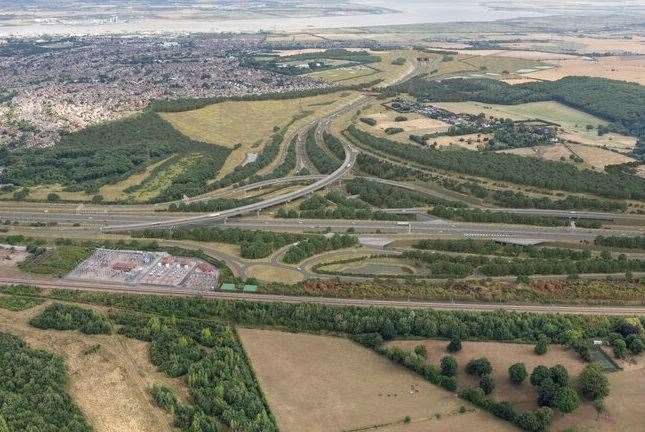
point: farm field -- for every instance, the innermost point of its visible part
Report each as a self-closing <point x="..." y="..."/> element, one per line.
<point x="582" y="45"/>
<point x="111" y="385"/>
<point x="624" y="401"/>
<point x="227" y="123"/>
<point x="626" y="68"/>
<point x="482" y="66"/>
<point x="323" y="383"/>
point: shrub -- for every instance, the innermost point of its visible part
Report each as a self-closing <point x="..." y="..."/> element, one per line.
<point x="479" y="367"/>
<point x="455" y="344"/>
<point x="620" y="348"/>
<point x="368" y="121"/>
<point x="421" y="351"/>
<point x="559" y="375"/>
<point x="635" y="344"/>
<point x="592" y="383"/>
<point x="53" y="197"/>
<point x="487" y="384"/>
<point x="449" y="366"/>
<point x="566" y="400"/>
<point x="542" y="346"/>
<point x="539" y="374"/>
<point x="517" y="373"/>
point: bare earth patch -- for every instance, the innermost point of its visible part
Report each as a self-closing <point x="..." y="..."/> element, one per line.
<point x="597" y="157"/>
<point x="329" y="384"/>
<point x="546" y="152"/>
<point x="110" y="386"/>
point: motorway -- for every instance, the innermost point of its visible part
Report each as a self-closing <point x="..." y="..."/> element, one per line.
<point x="332" y="301"/>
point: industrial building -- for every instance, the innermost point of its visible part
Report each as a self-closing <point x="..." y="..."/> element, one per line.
<point x="155" y="269"/>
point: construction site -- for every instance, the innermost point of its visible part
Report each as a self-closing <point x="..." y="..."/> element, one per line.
<point x="157" y="269"/>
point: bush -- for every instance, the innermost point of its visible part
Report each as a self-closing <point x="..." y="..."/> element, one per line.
<point x="620" y="348"/>
<point x="592" y="383"/>
<point x="368" y="121"/>
<point x="542" y="346"/>
<point x="53" y="197"/>
<point x="455" y="344"/>
<point x="635" y="344"/>
<point x="539" y="374"/>
<point x="566" y="400"/>
<point x="421" y="351"/>
<point x="479" y="367"/>
<point x="517" y="373"/>
<point x="559" y="375"/>
<point x="487" y="384"/>
<point x="448" y="366"/>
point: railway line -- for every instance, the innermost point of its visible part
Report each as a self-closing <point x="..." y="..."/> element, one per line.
<point x="332" y="301"/>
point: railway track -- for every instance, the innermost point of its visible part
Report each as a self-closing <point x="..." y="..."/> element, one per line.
<point x="330" y="301"/>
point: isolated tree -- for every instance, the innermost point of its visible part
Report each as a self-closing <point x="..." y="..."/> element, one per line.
<point x="592" y="383"/>
<point x="566" y="400"/>
<point x="448" y="366"/>
<point x="517" y="373"/>
<point x="487" y="384"/>
<point x="542" y="346"/>
<point x="547" y="390"/>
<point x="455" y="344"/>
<point x="479" y="367"/>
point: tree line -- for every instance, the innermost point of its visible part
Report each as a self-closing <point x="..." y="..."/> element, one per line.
<point x="489" y="247"/>
<point x="313" y="246"/>
<point x="626" y="242"/>
<point x="552" y="175"/>
<point x="389" y="323"/>
<point x="488" y="216"/>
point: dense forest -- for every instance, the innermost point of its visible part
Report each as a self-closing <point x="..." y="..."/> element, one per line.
<point x="619" y="102"/>
<point x="109" y="152"/>
<point x="489" y="247"/>
<point x="33" y="389"/>
<point x="386" y="196"/>
<point x="511" y="168"/>
<point x="211" y="205"/>
<point x="324" y="162"/>
<point x="253" y="244"/>
<point x="68" y="317"/>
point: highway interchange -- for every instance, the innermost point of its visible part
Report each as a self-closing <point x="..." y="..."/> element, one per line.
<point x="95" y="220"/>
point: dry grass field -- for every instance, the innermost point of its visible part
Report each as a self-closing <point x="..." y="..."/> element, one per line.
<point x="547" y="152"/>
<point x="626" y="68"/>
<point x="111" y="385"/>
<point x="625" y="404"/>
<point x="227" y="123"/>
<point x="592" y="156"/>
<point x="597" y="157"/>
<point x="268" y="273"/>
<point x="329" y="384"/>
